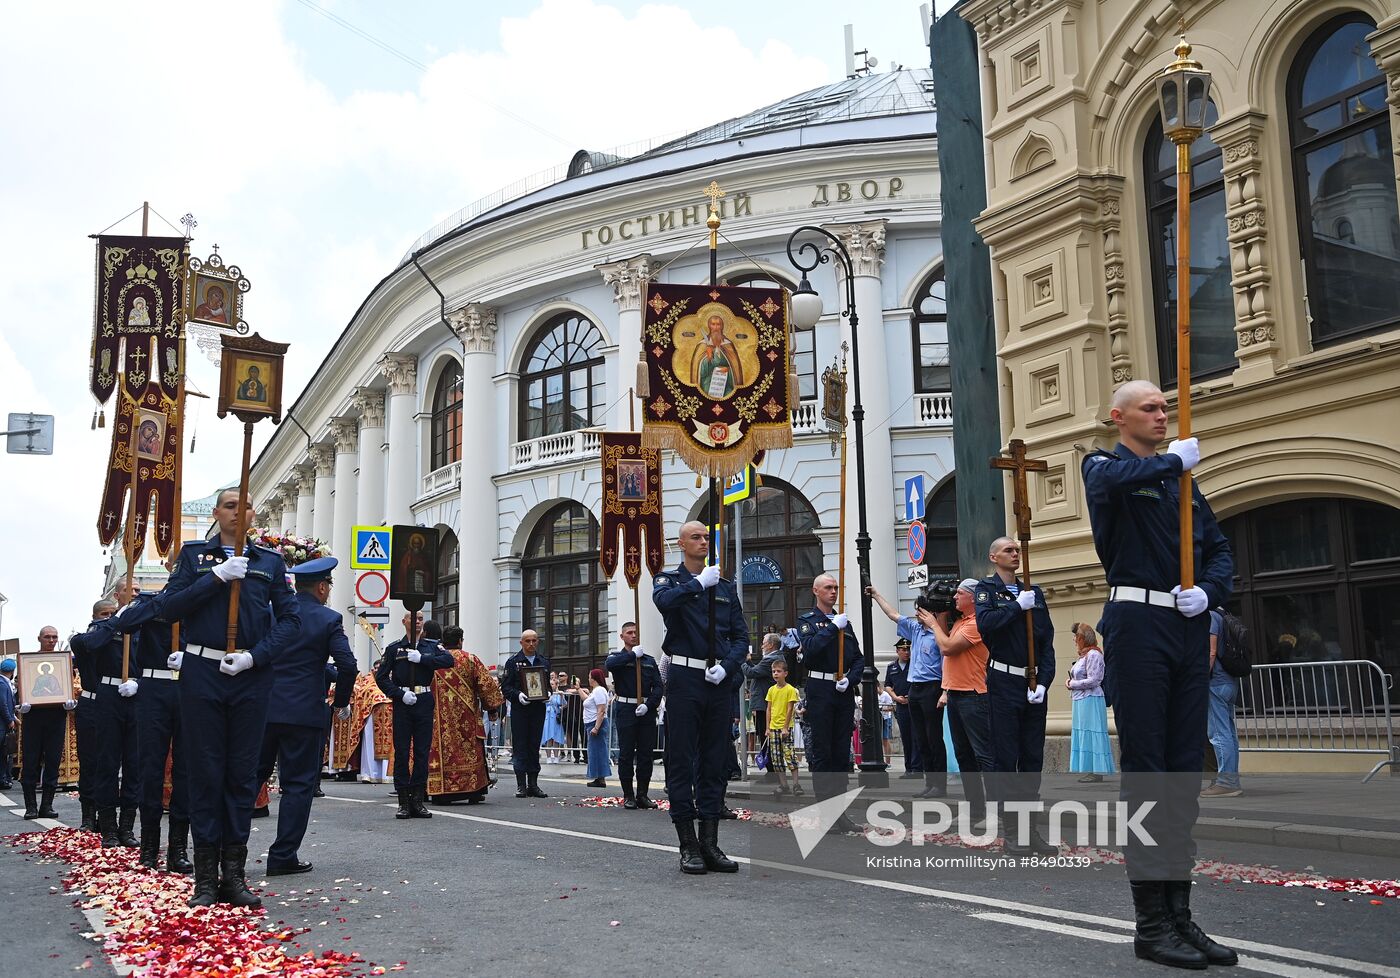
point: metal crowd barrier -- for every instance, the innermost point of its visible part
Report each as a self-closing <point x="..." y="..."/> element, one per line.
<point x="1338" y="707"/>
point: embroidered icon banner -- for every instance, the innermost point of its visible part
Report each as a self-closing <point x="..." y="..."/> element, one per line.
<point x="140" y="298"/>
<point x="631" y="506"/>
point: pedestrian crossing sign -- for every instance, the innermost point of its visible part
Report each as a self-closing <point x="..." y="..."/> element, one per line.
<point x="370" y="550"/>
<point x="739" y="486"/>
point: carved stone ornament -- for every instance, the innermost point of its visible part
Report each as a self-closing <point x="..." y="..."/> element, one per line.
<point x="306" y="481"/>
<point x="475" y="325"/>
<point x="401" y="370"/>
<point x="346" y="433"/>
<point x="628" y="278"/>
<point x="866" y="243"/>
<point x="369" y="401"/>
<point x="323" y="459"/>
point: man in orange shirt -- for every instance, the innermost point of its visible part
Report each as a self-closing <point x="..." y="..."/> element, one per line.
<point x="965" y="694"/>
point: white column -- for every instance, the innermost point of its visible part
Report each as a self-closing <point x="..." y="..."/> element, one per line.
<point x="478" y="602"/>
<point x="306" y="488"/>
<point x="866" y="244"/>
<point x="346" y="432"/>
<point x="323" y="515"/>
<point x="369" y="501"/>
<point x="629" y="279"/>
<point x="401" y="481"/>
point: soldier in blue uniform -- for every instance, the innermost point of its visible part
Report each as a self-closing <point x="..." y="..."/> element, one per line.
<point x="634" y="716"/>
<point x="98" y="654"/>
<point x="698" y="695"/>
<point x="1015" y="712"/>
<point x="297" y="710"/>
<point x="526" y="716"/>
<point x="405" y="675"/>
<point x="1157" y="655"/>
<point x="831" y="697"/>
<point x="83" y="719"/>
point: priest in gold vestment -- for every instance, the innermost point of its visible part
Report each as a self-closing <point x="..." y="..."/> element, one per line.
<point x="457" y="761"/>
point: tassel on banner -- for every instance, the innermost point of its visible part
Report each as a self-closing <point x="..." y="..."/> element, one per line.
<point x="101" y="418"/>
<point x="794" y="391"/>
<point x="643" y="381"/>
<point x="94" y="419"/>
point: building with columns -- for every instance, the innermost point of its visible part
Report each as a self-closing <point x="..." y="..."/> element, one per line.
<point x="1295" y="259"/>
<point x="478" y="415"/>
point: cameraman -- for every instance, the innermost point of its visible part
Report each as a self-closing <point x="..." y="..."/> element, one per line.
<point x="925" y="686"/>
<point x="965" y="692"/>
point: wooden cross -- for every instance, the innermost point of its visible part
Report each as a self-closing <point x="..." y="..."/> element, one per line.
<point x="1018" y="464"/>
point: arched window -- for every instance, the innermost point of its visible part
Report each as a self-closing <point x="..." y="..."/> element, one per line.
<point x="930" y="333"/>
<point x="1212" y="297"/>
<point x="804" y="350"/>
<point x="781" y="555"/>
<point x="447" y="417"/>
<point x="941" y="520"/>
<point x="445" y="600"/>
<point x="1344" y="178"/>
<point x="566" y="598"/>
<point x="563" y="384"/>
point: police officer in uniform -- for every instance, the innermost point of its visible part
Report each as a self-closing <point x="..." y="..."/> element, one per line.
<point x="405" y="675"/>
<point x="897" y="682"/>
<point x="634" y="715"/>
<point x="297" y="710"/>
<point x="224" y="696"/>
<point x="1157" y="656"/>
<point x="698" y="695"/>
<point x="41" y="732"/>
<point x="831" y="696"/>
<point x="526" y="716"/>
<point x="1015" y="712"/>
<point x="83" y="719"/>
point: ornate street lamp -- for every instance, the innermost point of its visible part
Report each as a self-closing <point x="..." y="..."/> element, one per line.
<point x="806" y="310"/>
<point x="1183" y="96"/>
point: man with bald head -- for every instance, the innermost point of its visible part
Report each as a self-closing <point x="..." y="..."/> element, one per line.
<point x="1157" y="659"/>
<point x="526" y="715"/>
<point x="41" y="743"/>
<point x="705" y="655"/>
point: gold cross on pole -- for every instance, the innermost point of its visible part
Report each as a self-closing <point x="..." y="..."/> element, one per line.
<point x="714" y="193"/>
<point x="1018" y="464"/>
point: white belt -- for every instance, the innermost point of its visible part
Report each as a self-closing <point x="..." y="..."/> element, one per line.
<point x="1003" y="667"/>
<point x="689" y="663"/>
<point x="1142" y="595"/>
<point x="88" y="694"/>
<point x="112" y="681"/>
<point x="157" y="674"/>
<point x="415" y="690"/>
<point x="828" y="676"/>
<point x="204" y="651"/>
<point x="627" y="699"/>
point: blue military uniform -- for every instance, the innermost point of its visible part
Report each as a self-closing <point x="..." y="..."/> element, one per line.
<point x="297" y="714"/>
<point x="83" y="718"/>
<point x="830" y="712"/>
<point x="526" y="725"/>
<point x="413" y="724"/>
<point x="113" y="731"/>
<point x="636" y="735"/>
<point x="897" y="681"/>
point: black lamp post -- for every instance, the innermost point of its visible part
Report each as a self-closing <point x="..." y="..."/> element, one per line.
<point x="806" y="310"/>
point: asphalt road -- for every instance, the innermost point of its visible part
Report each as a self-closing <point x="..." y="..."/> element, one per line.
<point x="514" y="887"/>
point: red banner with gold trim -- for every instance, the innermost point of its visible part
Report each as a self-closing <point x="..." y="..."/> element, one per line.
<point x="146" y="441"/>
<point x="631" y="506"/>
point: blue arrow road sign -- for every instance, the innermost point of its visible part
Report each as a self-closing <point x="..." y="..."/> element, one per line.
<point x="914" y="498"/>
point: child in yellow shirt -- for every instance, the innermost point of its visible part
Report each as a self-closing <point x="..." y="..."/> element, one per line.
<point x="782" y="759"/>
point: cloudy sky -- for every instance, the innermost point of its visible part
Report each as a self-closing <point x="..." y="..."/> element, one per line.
<point x="314" y="140"/>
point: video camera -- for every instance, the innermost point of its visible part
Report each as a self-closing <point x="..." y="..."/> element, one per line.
<point x="938" y="596"/>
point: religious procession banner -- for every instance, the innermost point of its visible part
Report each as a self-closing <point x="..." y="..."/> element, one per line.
<point x="146" y="442"/>
<point x="718" y="385"/>
<point x="631" y="506"/>
<point x="139" y="298"/>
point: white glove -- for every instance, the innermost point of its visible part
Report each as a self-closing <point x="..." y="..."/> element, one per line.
<point x="638" y="652"/>
<point x="25" y="707"/>
<point x="236" y="662"/>
<point x="708" y="576"/>
<point x="789" y="639"/>
<point x="409" y="697"/>
<point x="1189" y="451"/>
<point x="715" y="674"/>
<point x="1190" y="602"/>
<point x="524" y="700"/>
<point x="414" y="656"/>
<point x="1036" y="695"/>
<point x="175" y="660"/>
<point x="70" y="705"/>
<point x="127" y="688"/>
<point x="841" y="621"/>
<point x="642" y="710"/>
<point x="233" y="569"/>
<point x="843" y="684"/>
<point x="1026" y="600"/>
<point x="343" y="713"/>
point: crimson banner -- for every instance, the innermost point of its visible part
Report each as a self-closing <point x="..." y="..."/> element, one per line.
<point x="140" y="298"/>
<point x="631" y="506"/>
<point x="146" y="440"/>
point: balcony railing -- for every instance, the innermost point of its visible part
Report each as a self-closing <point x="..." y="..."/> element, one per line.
<point x="571" y="446"/>
<point x="447" y="477"/>
<point x="933" y="410"/>
<point x="807" y="419"/>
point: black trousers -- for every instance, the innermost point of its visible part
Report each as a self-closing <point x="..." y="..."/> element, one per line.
<point x="413" y="730"/>
<point x="42" y="745"/>
<point x="972" y="743"/>
<point x="158" y="737"/>
<point x="636" y="744"/>
<point x="114" y="729"/>
<point x="526" y="730"/>
<point x="296" y="750"/>
<point x="831" y="717"/>
<point x="698" y="718"/>
<point x="905" y="720"/>
<point x="87" y="746"/>
<point x="1018" y="738"/>
<point x="927" y="716"/>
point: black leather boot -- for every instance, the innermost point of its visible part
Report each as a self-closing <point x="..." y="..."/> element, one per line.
<point x="206" y="877"/>
<point x="46" y="802"/>
<point x="89" y="822"/>
<point x="692" y="862"/>
<point x="1156" y="939"/>
<point x="629" y="798"/>
<point x="107" y="825"/>
<point x="177" y="858"/>
<point x="233" y="888"/>
<point x="715" y="859"/>
<point x="1179" y="911"/>
<point x="642" y="800"/>
<point x="150" y="843"/>
<point x="405" y="805"/>
<point x="31" y="801"/>
<point x="533" y="788"/>
<point x="125" y="824"/>
<point x="520" y="790"/>
<point x="418" y="809"/>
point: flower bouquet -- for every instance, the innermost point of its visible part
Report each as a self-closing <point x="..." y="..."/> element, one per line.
<point x="294" y="549"/>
